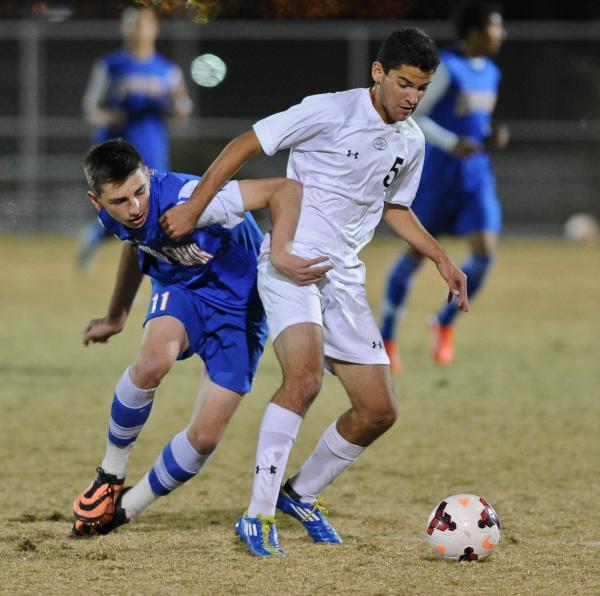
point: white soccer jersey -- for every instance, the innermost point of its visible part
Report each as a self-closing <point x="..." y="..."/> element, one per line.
<point x="350" y="162"/>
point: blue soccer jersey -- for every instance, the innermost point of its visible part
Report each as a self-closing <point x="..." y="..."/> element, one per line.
<point x="219" y="262"/>
<point x="458" y="195"/>
<point x="141" y="89"/>
<point x="466" y="108"/>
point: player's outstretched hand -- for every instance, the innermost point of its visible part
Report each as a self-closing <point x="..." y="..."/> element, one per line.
<point x="179" y="221"/>
<point x="465" y="147"/>
<point x="101" y="330"/>
<point x="301" y="271"/>
<point x="457" y="283"/>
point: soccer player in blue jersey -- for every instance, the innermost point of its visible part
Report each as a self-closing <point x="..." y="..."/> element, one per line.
<point x="130" y="94"/>
<point x="204" y="301"/>
<point x="457" y="193"/>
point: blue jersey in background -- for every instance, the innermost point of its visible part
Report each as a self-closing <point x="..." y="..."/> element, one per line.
<point x="458" y="195"/>
<point x="141" y="88"/>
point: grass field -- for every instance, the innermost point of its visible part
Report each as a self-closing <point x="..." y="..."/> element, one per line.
<point x="516" y="419"/>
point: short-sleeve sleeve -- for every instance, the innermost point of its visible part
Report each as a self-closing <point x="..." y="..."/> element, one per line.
<point x="225" y="209"/>
<point x="301" y="125"/>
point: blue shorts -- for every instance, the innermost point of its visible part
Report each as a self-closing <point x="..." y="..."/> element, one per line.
<point x="457" y="196"/>
<point x="230" y="344"/>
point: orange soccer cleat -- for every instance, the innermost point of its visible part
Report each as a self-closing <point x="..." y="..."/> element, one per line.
<point x="442" y="348"/>
<point x="96" y="510"/>
<point x="396" y="365"/>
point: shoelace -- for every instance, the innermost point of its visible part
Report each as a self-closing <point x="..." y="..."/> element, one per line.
<point x="266" y="523"/>
<point x="103" y="478"/>
<point x="319" y="505"/>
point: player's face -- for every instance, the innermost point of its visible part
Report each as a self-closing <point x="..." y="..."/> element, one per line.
<point x="140" y="27"/>
<point x="398" y="92"/>
<point x="125" y="202"/>
<point x="491" y="37"/>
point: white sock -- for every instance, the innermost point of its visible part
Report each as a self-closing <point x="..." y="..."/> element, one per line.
<point x="177" y="463"/>
<point x="116" y="459"/>
<point x="127" y="397"/>
<point x="136" y="499"/>
<point x="278" y="431"/>
<point x="332" y="455"/>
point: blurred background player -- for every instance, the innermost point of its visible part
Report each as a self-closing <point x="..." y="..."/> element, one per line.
<point x="457" y="194"/>
<point x="130" y="94"/>
<point x="204" y="301"/>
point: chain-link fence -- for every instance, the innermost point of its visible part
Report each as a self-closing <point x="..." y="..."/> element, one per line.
<point x="550" y="99"/>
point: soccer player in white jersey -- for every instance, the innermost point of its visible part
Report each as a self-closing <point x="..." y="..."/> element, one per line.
<point x="359" y="156"/>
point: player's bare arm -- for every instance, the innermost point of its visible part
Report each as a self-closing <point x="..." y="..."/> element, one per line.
<point x="283" y="197"/>
<point x="181" y="220"/>
<point x="128" y="280"/>
<point x="404" y="222"/>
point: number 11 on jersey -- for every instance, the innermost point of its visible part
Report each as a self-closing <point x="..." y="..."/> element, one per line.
<point x="164" y="298"/>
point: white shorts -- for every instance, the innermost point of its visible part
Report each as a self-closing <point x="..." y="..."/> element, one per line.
<point x="342" y="310"/>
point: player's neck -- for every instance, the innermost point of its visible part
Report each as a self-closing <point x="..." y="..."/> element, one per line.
<point x="375" y="100"/>
<point x="469" y="50"/>
<point x="141" y="50"/>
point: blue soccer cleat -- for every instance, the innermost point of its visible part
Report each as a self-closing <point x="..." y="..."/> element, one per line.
<point x="310" y="515"/>
<point x="260" y="535"/>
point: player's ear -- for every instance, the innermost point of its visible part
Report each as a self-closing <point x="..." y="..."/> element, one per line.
<point x="377" y="72"/>
<point x="94" y="200"/>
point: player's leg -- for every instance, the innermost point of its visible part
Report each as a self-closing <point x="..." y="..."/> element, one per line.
<point x="90" y="239"/>
<point x="476" y="267"/>
<point x="372" y="412"/>
<point x="164" y="339"/>
<point x="394" y="303"/>
<point x="299" y="349"/>
<point x="294" y="315"/>
<point x="479" y="222"/>
<point x="187" y="452"/>
<point x="230" y="346"/>
<point x="354" y="352"/>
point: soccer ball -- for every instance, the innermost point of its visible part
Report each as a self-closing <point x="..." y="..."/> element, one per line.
<point x="463" y="527"/>
<point x="582" y="227"/>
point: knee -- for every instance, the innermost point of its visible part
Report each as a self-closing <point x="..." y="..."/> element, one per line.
<point x="381" y="419"/>
<point x="202" y="441"/>
<point x="149" y="372"/>
<point x="302" y="387"/>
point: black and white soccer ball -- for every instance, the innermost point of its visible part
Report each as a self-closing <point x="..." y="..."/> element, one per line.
<point x="463" y="527"/>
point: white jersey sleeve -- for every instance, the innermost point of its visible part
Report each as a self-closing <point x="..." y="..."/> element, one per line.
<point x="97" y="87"/>
<point x="225" y="209"/>
<point x="304" y="126"/>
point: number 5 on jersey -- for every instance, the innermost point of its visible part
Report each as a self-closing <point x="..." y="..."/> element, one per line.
<point x="164" y="298"/>
<point x="394" y="171"/>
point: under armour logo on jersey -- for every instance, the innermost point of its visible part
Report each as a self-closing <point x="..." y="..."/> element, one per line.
<point x="352" y="154"/>
<point x="271" y="469"/>
<point x="377" y="344"/>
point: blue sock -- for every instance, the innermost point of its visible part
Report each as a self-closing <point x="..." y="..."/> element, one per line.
<point x="130" y="409"/>
<point x="398" y="286"/>
<point x="476" y="268"/>
<point x="177" y="463"/>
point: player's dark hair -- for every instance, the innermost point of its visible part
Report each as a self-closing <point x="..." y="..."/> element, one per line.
<point x="474" y="16"/>
<point x="410" y="47"/>
<point x="111" y="161"/>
